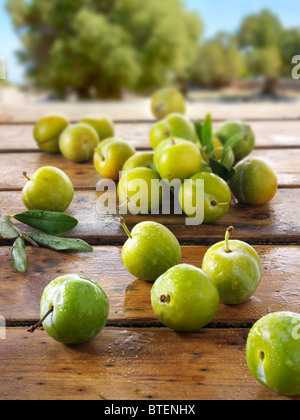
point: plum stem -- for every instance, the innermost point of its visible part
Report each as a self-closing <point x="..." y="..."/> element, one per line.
<point x="123" y="224"/>
<point x="34" y="327"/>
<point x="25" y="175"/>
<point x="228" y="232"/>
<point x="229" y="203"/>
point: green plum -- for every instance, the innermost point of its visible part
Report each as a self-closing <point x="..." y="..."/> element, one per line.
<point x="205" y="167"/>
<point x="185" y="298"/>
<point x="229" y="129"/>
<point x="151" y="249"/>
<point x="175" y="125"/>
<point x="177" y="159"/>
<point x="236" y="269"/>
<point x="254" y="182"/>
<point x="76" y="309"/>
<point x="167" y="101"/>
<point x="103" y="124"/>
<point x="110" y="157"/>
<point x="217" y="196"/>
<point x="139" y="160"/>
<point x="139" y="189"/>
<point x="48" y="189"/>
<point x="47" y="130"/>
<point x="78" y="142"/>
<point x="273" y="352"/>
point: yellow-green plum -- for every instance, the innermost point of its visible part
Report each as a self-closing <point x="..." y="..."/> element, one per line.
<point x="167" y="101"/>
<point x="49" y="189"/>
<point x="77" y="309"/>
<point x="175" y="125"/>
<point x="177" y="159"/>
<point x="78" y="142"/>
<point x="185" y="298"/>
<point x="273" y="352"/>
<point x="103" y="124"/>
<point x="235" y="268"/>
<point x="139" y="190"/>
<point x="217" y="196"/>
<point x="151" y="249"/>
<point x="110" y="157"/>
<point x="219" y="148"/>
<point x="229" y="129"/>
<point x="47" y="130"/>
<point x="139" y="160"/>
<point x="205" y="167"/>
<point x="254" y="182"/>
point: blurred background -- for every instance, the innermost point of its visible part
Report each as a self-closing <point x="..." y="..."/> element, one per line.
<point x="91" y="50"/>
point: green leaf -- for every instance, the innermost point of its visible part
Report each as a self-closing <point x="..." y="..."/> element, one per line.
<point x="198" y="128"/>
<point x="7" y="228"/>
<point x="49" y="222"/>
<point x="230" y="144"/>
<point x="19" y="255"/>
<point x="60" y="244"/>
<point x="207" y="134"/>
<point x="221" y="170"/>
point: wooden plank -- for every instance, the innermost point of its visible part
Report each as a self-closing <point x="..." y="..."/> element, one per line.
<point x="275" y="222"/>
<point x="84" y="176"/>
<point x="139" y="110"/>
<point x="132" y="364"/>
<point x="129" y="297"/>
<point x="275" y="134"/>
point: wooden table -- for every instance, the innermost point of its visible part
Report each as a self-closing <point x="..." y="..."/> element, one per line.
<point x="134" y="357"/>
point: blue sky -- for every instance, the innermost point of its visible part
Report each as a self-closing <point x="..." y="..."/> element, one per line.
<point x="227" y="14"/>
<point x="216" y="14"/>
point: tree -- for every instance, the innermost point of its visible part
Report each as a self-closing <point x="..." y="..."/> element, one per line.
<point x="290" y="47"/>
<point x="218" y="62"/>
<point x="260" y="36"/>
<point x="98" y="47"/>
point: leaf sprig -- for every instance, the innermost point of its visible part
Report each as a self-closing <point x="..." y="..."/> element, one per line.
<point x="205" y="134"/>
<point x="50" y="223"/>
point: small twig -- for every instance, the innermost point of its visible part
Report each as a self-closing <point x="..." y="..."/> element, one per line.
<point x="21" y="233"/>
<point x="25" y="236"/>
<point x="34" y="327"/>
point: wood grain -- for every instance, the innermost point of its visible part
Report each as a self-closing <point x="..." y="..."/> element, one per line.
<point x="84" y="176"/>
<point x="134" y="357"/>
<point x="129" y="297"/>
<point x="130" y="364"/>
<point x="274" y="134"/>
<point x="275" y="222"/>
<point x="139" y="110"/>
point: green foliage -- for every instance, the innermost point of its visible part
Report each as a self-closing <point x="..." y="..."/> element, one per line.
<point x="99" y="47"/>
<point x="260" y="30"/>
<point x="261" y="36"/>
<point x="290" y="46"/>
<point x="265" y="61"/>
<point x="219" y="62"/>
<point x="96" y="48"/>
